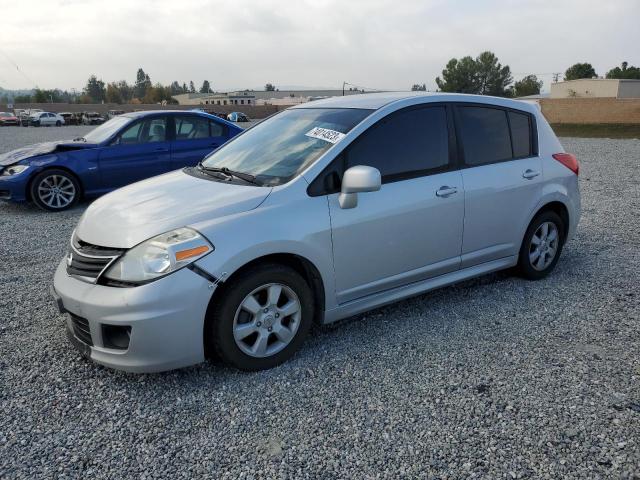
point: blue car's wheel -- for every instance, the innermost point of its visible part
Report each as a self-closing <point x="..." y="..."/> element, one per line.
<point x="55" y="190"/>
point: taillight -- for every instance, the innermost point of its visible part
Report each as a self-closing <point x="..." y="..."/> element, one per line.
<point x="569" y="161"/>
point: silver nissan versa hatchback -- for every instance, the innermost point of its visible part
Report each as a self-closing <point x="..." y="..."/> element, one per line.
<point x="318" y="213"/>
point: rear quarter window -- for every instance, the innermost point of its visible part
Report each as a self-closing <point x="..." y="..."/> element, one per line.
<point x="520" y="134"/>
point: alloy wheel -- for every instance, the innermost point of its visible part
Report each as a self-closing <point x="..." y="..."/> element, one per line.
<point x="56" y="191"/>
<point x="267" y="320"/>
<point x="544" y="246"/>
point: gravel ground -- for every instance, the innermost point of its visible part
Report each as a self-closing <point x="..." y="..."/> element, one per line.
<point x="492" y="378"/>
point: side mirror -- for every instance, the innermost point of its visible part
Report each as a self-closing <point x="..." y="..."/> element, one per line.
<point x="358" y="179"/>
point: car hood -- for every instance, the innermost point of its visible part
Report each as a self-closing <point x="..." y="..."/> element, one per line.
<point x="130" y="215"/>
<point x="38" y="149"/>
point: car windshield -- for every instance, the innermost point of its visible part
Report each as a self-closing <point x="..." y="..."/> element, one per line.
<point x="279" y="148"/>
<point x="106" y="130"/>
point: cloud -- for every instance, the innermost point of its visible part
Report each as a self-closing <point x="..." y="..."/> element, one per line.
<point x="377" y="43"/>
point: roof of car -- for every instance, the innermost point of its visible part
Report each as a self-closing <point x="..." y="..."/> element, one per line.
<point x="192" y="112"/>
<point x="150" y="112"/>
<point x="375" y="101"/>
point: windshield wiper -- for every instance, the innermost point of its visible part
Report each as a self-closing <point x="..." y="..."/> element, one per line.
<point x="80" y="139"/>
<point x="247" y="177"/>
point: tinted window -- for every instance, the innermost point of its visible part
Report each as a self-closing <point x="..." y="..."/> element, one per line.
<point x="410" y="141"/>
<point x="520" y="134"/>
<point x="485" y="135"/>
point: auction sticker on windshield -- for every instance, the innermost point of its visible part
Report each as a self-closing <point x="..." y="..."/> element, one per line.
<point x="325" y="134"/>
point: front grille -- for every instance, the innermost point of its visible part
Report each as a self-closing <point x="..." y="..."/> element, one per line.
<point x="89" y="261"/>
<point x="81" y="329"/>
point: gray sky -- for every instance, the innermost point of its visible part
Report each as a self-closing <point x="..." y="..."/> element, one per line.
<point x="385" y="44"/>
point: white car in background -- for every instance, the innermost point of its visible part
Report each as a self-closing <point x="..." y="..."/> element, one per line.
<point x="46" y="119"/>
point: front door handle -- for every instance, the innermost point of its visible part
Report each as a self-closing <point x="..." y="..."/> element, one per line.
<point x="445" y="191"/>
<point x="529" y="174"/>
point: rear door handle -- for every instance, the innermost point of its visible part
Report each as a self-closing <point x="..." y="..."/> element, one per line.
<point x="529" y="174"/>
<point x="445" y="191"/>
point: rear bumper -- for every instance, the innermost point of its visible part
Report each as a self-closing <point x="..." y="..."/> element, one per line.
<point x="165" y="317"/>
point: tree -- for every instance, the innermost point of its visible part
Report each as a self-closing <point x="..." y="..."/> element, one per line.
<point x="529" y="85"/>
<point x="192" y="87"/>
<point x="269" y="88"/>
<point x="22" y="99"/>
<point x="143" y="83"/>
<point x="185" y="89"/>
<point x="579" y="70"/>
<point x="482" y="76"/>
<point x="419" y="88"/>
<point x="206" y="88"/>
<point x="94" y="89"/>
<point x="176" y="89"/>
<point x="626" y="72"/>
<point x="113" y="93"/>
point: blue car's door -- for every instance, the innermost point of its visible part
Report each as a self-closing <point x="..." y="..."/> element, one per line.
<point x="195" y="137"/>
<point x="140" y="151"/>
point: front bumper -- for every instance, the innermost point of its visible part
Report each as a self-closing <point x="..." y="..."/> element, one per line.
<point x="166" y="318"/>
<point x="14" y="187"/>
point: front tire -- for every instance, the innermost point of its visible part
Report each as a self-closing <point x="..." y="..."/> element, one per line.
<point x="542" y="246"/>
<point x="55" y="190"/>
<point x="261" y="318"/>
<point x="58" y="123"/>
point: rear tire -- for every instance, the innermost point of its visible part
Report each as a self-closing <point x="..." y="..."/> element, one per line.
<point x="55" y="190"/>
<point x="261" y="317"/>
<point x="541" y="246"/>
<point x="58" y="123"/>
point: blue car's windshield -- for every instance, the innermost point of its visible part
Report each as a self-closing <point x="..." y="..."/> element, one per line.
<point x="278" y="149"/>
<point x="105" y="130"/>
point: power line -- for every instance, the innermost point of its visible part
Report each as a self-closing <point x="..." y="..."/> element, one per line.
<point x="18" y="68"/>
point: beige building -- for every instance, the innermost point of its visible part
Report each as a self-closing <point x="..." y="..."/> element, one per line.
<point x="259" y="97"/>
<point x="596" y="88"/>
<point x="228" y="98"/>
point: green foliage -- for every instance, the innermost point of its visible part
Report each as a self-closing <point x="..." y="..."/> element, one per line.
<point x="624" y="72"/>
<point x="22" y="99"/>
<point x="483" y="75"/>
<point x="416" y="87"/>
<point x="206" y="88"/>
<point x="192" y="87"/>
<point x="580" y="70"/>
<point x="529" y="85"/>
<point x="269" y="87"/>
<point x="143" y="83"/>
<point x="95" y="90"/>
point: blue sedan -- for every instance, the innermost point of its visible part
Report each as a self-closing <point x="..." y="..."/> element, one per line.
<point x="127" y="148"/>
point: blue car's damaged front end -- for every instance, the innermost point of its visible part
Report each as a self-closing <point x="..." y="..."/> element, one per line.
<point x="19" y="167"/>
<point x="126" y="149"/>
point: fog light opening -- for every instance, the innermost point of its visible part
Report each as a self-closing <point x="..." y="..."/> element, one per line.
<point x="116" y="336"/>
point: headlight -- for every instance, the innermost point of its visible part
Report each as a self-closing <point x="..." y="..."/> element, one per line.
<point x="160" y="256"/>
<point x="14" y="170"/>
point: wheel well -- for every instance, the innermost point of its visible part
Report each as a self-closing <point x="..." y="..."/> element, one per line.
<point x="301" y="265"/>
<point x="560" y="209"/>
<point x="56" y="167"/>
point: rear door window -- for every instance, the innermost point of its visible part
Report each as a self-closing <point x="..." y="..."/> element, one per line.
<point x="405" y="144"/>
<point x="485" y="135"/>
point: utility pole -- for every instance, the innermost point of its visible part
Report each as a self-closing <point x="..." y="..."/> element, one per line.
<point x="343" y="84"/>
<point x="556" y="77"/>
